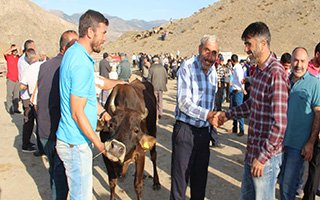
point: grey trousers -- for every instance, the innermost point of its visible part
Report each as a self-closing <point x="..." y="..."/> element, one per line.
<point x="12" y="99"/>
<point x="159" y="95"/>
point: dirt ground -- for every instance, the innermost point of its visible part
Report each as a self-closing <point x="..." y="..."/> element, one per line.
<point x="23" y="176"/>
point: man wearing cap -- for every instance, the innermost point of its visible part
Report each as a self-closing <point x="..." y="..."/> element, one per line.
<point x="158" y="78"/>
<point x="124" y="68"/>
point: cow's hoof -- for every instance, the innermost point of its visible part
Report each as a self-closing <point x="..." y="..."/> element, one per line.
<point x="156" y="186"/>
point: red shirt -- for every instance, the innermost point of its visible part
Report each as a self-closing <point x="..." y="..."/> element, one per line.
<point x="12" y="67"/>
<point x="312" y="70"/>
<point x="267" y="111"/>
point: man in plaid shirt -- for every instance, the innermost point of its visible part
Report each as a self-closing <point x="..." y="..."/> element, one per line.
<point x="267" y="112"/>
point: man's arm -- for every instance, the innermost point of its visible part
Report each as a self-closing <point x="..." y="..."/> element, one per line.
<point x="8" y="51"/>
<point x="307" y="151"/>
<point x="77" y="109"/>
<point x="108" y="84"/>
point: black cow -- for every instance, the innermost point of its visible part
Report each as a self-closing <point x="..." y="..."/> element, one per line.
<point x="133" y="110"/>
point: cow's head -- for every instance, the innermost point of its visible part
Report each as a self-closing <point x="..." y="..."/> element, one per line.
<point x="129" y="127"/>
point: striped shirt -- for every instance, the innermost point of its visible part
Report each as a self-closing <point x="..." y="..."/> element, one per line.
<point x="195" y="93"/>
<point x="267" y="111"/>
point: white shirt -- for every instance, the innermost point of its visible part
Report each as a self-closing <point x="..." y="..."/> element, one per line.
<point x="22" y="66"/>
<point x="237" y="76"/>
<point x="30" y="76"/>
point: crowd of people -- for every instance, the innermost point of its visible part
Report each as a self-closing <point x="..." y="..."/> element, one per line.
<point x="280" y="98"/>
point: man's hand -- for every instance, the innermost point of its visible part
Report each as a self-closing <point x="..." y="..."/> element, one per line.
<point x="106" y="117"/>
<point x="100" y="147"/>
<point x="257" y="168"/>
<point x="218" y="119"/>
<point x="307" y="151"/>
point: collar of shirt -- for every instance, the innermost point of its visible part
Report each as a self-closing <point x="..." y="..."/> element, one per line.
<point x="303" y="77"/>
<point x="84" y="51"/>
<point x="267" y="63"/>
<point x="198" y="66"/>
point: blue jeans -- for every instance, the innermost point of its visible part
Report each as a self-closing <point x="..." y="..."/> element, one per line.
<point x="58" y="179"/>
<point x="264" y="187"/>
<point x="290" y="173"/>
<point x="77" y="160"/>
<point x="236" y="100"/>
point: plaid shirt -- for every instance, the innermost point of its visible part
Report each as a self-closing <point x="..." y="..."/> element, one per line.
<point x="196" y="92"/>
<point x="267" y="111"/>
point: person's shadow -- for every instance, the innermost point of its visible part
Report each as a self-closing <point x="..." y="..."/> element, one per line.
<point x="35" y="166"/>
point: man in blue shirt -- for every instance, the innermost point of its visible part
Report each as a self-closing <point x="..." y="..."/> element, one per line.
<point x="79" y="107"/>
<point x="303" y="123"/>
<point x="197" y="85"/>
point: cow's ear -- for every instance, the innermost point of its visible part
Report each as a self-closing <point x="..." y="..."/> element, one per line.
<point x="145" y="114"/>
<point x="147" y="142"/>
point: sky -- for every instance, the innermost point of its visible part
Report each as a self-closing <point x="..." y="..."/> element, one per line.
<point x="129" y="9"/>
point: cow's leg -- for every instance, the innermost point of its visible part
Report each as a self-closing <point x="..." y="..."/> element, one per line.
<point x="156" y="182"/>
<point x="138" y="178"/>
<point x="112" y="176"/>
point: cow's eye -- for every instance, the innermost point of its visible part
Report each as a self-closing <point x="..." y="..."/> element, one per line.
<point x="136" y="130"/>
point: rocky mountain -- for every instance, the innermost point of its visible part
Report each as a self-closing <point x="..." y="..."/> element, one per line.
<point x="292" y="23"/>
<point x="117" y="26"/>
<point x="22" y="20"/>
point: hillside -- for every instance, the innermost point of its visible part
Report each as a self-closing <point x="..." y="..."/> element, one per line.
<point x="22" y="20"/>
<point x="117" y="25"/>
<point x="292" y="23"/>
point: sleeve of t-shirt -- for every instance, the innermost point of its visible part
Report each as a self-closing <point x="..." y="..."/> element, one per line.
<point x="316" y="95"/>
<point x="81" y="79"/>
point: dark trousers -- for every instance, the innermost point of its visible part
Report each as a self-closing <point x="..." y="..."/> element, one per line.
<point x="219" y="96"/>
<point x="28" y="124"/>
<point x="236" y="100"/>
<point x="312" y="183"/>
<point x="227" y="92"/>
<point x="190" y="160"/>
<point x="58" y="178"/>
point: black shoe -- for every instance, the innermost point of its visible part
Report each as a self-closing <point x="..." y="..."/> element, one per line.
<point x="240" y="134"/>
<point x="318" y="193"/>
<point x="38" y="153"/>
<point x="217" y="145"/>
<point x="29" y="149"/>
<point x="17" y="111"/>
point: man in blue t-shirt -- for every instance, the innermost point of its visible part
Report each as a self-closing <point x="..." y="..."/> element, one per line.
<point x="79" y="108"/>
<point x="303" y="122"/>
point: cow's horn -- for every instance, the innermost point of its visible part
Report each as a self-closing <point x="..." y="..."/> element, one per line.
<point x="145" y="114"/>
<point x="113" y="96"/>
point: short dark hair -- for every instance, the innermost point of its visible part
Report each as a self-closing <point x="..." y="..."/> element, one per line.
<point x="285" y="58"/>
<point x="257" y="29"/>
<point x="234" y="58"/>
<point x="317" y="49"/>
<point x="91" y="19"/>
<point x="64" y="39"/>
<point x="105" y="55"/>
<point x="26" y="45"/>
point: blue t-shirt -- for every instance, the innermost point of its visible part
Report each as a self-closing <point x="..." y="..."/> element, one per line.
<point x="304" y="96"/>
<point x="76" y="78"/>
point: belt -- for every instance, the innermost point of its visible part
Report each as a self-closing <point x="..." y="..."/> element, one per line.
<point x="194" y="127"/>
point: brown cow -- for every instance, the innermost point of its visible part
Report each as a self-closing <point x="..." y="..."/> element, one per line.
<point x="133" y="110"/>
